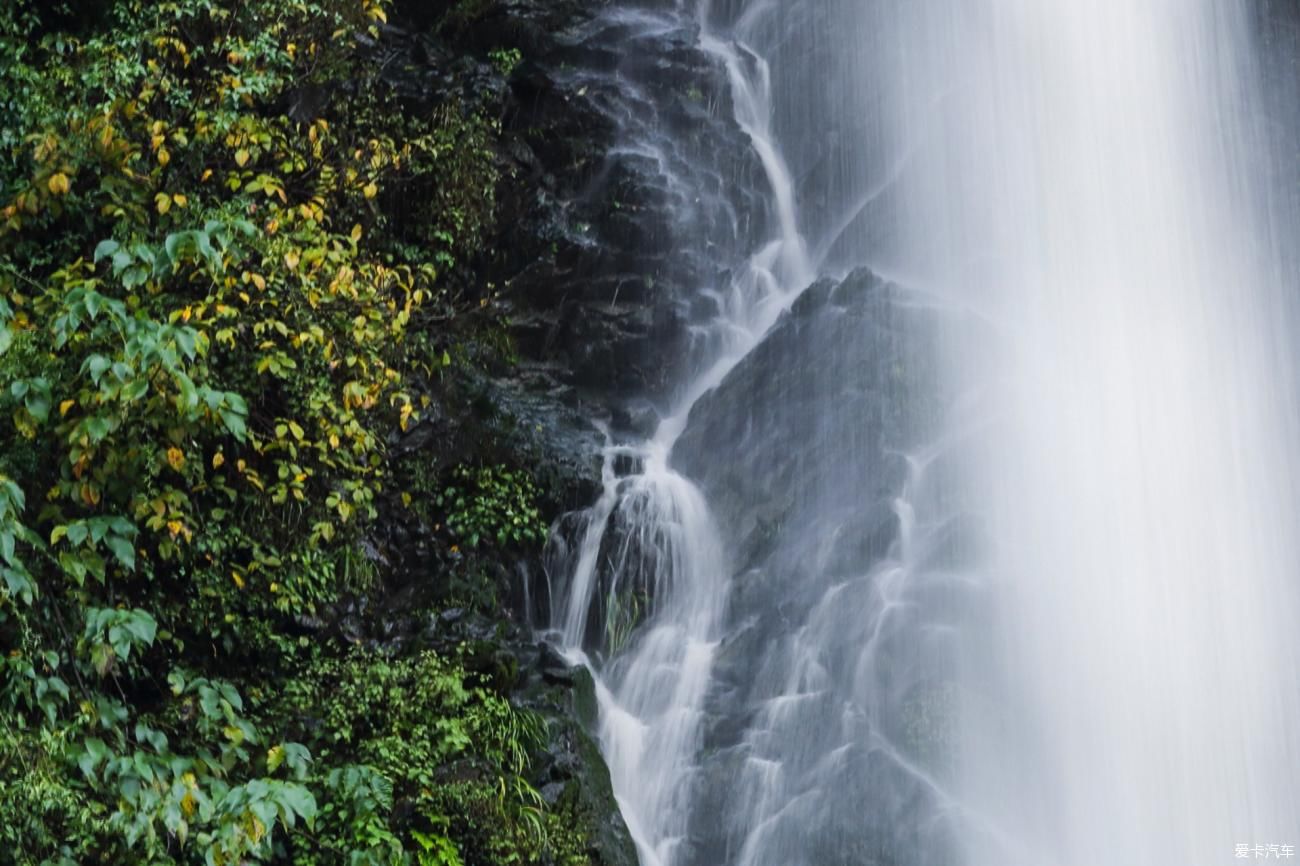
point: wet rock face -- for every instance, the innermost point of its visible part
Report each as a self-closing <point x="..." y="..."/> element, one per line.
<point x="773" y="438"/>
<point x="570" y="773"/>
<point x="620" y="205"/>
<point x="627" y="130"/>
<point x="800" y="451"/>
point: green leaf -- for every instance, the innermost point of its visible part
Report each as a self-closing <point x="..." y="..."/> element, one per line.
<point x="176" y="682"/>
<point x="297" y="800"/>
<point x="38" y="406"/>
<point x="94" y="752"/>
<point x="106" y="248"/>
<point x="123" y="549"/>
<point x="134" y="390"/>
<point x="97" y="428"/>
<point x="96" y="365"/>
<point x="18" y="584"/>
<point x="234" y="423"/>
<point x="142" y="626"/>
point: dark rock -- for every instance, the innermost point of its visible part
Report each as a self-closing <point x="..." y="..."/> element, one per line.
<point x="628" y="175"/>
<point x="570" y="772"/>
<point x="800" y="453"/>
<point x="555" y="669"/>
<point x="797" y="403"/>
<point x="619" y="153"/>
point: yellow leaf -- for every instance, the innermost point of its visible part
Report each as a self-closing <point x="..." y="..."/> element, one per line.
<point x="58" y="184"/>
<point x="259" y="281"/>
<point x="175" y="458"/>
<point x="181" y="201"/>
<point x="175" y="527"/>
<point x="241" y="157"/>
<point x="291" y="259"/>
<point x="218" y="460"/>
<point x="356" y="232"/>
<point x="237" y="578"/>
<point x="163" y="203"/>
<point x="370" y="190"/>
<point x="65" y="406"/>
<point x="406" y="499"/>
<point x="164" y="156"/>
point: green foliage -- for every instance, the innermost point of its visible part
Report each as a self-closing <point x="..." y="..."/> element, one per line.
<point x="420" y="734"/>
<point x="492" y="505"/>
<point x="218" y="299"/>
<point x="436" y="850"/>
<point x="624" y="611"/>
<point x="506" y="60"/>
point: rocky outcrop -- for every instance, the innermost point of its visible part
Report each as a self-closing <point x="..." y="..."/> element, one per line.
<point x="619" y="163"/>
<point x="797" y="404"/>
<point x="624" y="131"/>
<point x="801" y="453"/>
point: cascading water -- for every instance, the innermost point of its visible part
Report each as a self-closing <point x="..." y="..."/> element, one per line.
<point x="992" y="558"/>
<point x="1134" y="695"/>
<point x="666" y="552"/>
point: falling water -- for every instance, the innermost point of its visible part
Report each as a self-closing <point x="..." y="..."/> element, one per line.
<point x="1096" y="180"/>
<point x="667" y="553"/>
<point x="1000" y="565"/>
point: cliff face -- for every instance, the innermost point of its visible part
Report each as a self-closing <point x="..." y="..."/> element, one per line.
<point x="617" y="155"/>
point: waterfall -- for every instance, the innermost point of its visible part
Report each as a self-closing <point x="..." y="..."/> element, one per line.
<point x="1132" y="695"/>
<point x="989" y="554"/>
<point x="651" y="540"/>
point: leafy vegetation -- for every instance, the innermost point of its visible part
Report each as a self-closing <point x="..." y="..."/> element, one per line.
<point x="492" y="504"/>
<point x="232" y="261"/>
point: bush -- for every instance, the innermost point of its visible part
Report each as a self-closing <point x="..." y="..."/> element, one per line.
<point x="217" y="293"/>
